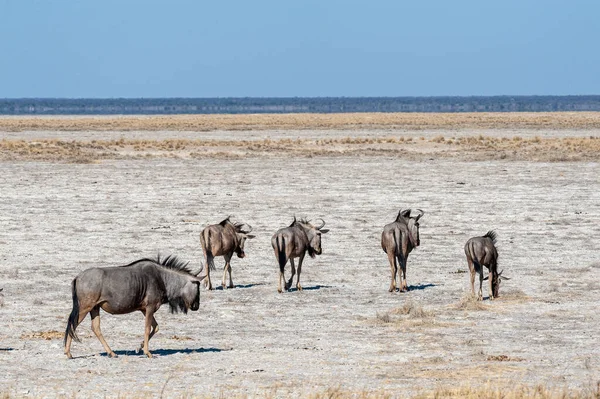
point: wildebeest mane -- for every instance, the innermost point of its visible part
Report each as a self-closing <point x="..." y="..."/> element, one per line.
<point x="491" y="235"/>
<point x="177" y="305"/>
<point x="225" y="221"/>
<point x="171" y="262"/>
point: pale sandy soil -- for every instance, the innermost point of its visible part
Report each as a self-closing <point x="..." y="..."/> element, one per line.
<point x="345" y="329"/>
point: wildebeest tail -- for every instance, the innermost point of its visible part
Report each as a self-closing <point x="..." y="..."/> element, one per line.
<point x="205" y="237"/>
<point x="281" y="258"/>
<point x="74" y="316"/>
<point x="397" y="242"/>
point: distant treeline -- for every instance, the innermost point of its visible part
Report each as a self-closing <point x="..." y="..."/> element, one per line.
<point x="151" y="106"/>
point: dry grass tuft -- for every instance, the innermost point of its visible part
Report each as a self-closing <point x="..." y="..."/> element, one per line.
<point x="408" y="315"/>
<point x="514" y="294"/>
<point x="47" y="335"/>
<point x="470" y="302"/>
<point x="413" y="310"/>
<point x="503" y="358"/>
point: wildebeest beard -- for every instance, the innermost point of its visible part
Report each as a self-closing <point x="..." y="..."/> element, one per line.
<point x="177" y="304"/>
<point x="311" y="252"/>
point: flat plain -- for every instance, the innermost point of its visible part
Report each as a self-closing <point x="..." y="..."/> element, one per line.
<point x="104" y="194"/>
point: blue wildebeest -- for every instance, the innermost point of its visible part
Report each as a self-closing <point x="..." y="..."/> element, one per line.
<point x="293" y="242"/>
<point x="142" y="285"/>
<point x="397" y="241"/>
<point x="223" y="239"/>
<point x="481" y="251"/>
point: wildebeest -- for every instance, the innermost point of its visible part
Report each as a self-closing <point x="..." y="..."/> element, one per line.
<point x="223" y="239"/>
<point x="293" y="242"/>
<point x="142" y="285"/>
<point x="397" y="241"/>
<point x="481" y="251"/>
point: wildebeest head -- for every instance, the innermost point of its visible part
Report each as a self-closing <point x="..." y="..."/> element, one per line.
<point x="496" y="279"/>
<point x="313" y="233"/>
<point x="413" y="228"/>
<point x="242" y="231"/>
<point x="190" y="294"/>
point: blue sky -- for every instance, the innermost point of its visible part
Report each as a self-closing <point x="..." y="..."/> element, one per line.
<point x="305" y="48"/>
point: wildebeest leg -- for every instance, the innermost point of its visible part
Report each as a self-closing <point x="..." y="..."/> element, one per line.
<point x="402" y="273"/>
<point x="472" y="272"/>
<point x="147" y="331"/>
<point x="230" y="280"/>
<point x="288" y="284"/>
<point x="394" y="269"/>
<point x="95" y="315"/>
<point x="281" y="278"/>
<point x="154" y="331"/>
<point x="82" y="315"/>
<point x="480" y="296"/>
<point x="209" y="259"/>
<point x="298" y="286"/>
<point x="226" y="269"/>
<point x="490" y="277"/>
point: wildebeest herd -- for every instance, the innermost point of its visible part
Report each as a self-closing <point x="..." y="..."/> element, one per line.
<point x="146" y="284"/>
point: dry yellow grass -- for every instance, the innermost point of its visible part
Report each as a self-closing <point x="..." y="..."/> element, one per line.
<point x="353" y="121"/>
<point x="473" y="148"/>
<point x="487" y="391"/>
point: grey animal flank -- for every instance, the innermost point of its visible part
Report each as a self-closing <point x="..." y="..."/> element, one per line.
<point x="397" y="241"/>
<point x="143" y="285"/>
<point x="223" y="239"/>
<point x="480" y="252"/>
<point x="294" y="242"/>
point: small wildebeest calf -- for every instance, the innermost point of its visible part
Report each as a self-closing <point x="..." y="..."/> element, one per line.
<point x="398" y="240"/>
<point x="481" y="251"/>
<point x="293" y="242"/>
<point x="143" y="285"/>
<point x="223" y="239"/>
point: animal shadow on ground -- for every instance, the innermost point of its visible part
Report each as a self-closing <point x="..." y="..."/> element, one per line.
<point x="240" y="286"/>
<point x="420" y="287"/>
<point x="311" y="288"/>
<point x="165" y="352"/>
<point x="6" y="349"/>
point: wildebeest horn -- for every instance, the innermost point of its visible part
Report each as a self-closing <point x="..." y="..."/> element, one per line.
<point x="503" y="277"/>
<point x="404" y="213"/>
<point x="243" y="227"/>
<point x="421" y="213"/>
<point x="322" y="224"/>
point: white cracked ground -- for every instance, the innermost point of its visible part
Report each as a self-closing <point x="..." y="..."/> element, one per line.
<point x="344" y="330"/>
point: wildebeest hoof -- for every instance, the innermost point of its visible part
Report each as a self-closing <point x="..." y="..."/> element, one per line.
<point x="69" y="356"/>
<point x="299" y="287"/>
<point x="149" y="355"/>
<point x="113" y="355"/>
